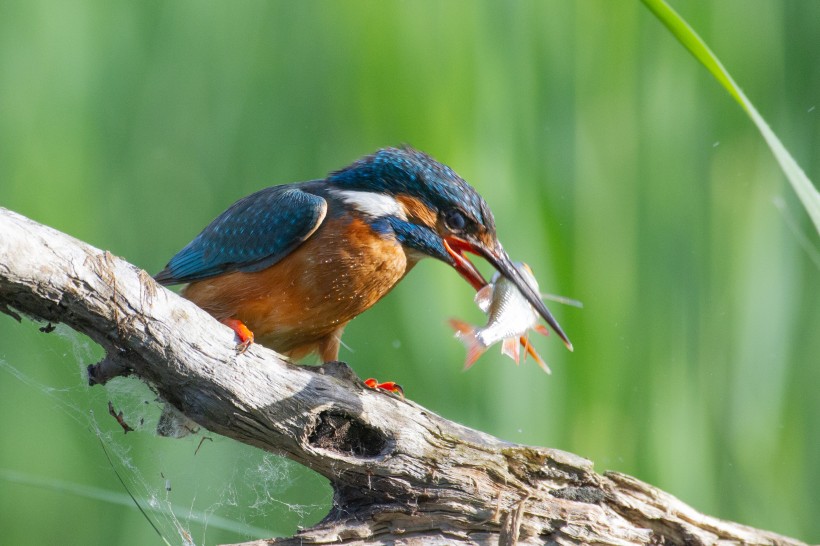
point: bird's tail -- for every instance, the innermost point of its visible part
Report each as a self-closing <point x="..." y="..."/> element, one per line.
<point x="467" y="335"/>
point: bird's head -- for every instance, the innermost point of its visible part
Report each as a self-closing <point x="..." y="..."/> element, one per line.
<point x="432" y="212"/>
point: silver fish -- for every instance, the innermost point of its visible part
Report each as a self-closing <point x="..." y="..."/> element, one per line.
<point x="511" y="317"/>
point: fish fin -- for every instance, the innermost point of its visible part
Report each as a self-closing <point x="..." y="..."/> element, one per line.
<point x="461" y="327"/>
<point x="466" y="334"/>
<point x="531" y="350"/>
<point x="563" y="299"/>
<point x="510" y="348"/>
<point x="474" y="350"/>
<point x="541" y="329"/>
<point x="484" y="297"/>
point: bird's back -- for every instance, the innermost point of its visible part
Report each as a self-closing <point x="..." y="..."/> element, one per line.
<point x="298" y="298"/>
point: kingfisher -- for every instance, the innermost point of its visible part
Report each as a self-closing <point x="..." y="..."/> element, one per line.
<point x="291" y="265"/>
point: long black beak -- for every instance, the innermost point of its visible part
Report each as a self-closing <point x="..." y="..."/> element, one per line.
<point x="501" y="261"/>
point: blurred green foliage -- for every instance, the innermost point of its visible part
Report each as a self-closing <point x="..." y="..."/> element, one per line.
<point x="614" y="164"/>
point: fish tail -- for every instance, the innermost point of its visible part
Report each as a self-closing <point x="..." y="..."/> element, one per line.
<point x="467" y="335"/>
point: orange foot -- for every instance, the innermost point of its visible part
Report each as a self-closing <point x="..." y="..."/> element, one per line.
<point x="242" y="332"/>
<point x="389" y="386"/>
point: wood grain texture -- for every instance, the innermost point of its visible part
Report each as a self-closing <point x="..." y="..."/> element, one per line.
<point x="401" y="474"/>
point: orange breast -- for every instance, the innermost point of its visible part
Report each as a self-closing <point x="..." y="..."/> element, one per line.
<point x="298" y="304"/>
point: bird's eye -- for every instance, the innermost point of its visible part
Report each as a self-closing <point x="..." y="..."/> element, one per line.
<point x="455" y="220"/>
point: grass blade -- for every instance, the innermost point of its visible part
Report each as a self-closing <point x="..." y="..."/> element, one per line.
<point x="686" y="35"/>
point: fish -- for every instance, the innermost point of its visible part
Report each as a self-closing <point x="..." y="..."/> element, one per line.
<point x="510" y="318"/>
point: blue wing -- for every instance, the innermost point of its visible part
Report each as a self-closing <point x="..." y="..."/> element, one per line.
<point x="254" y="233"/>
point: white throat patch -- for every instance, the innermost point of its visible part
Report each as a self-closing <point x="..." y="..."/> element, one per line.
<point x="373" y="204"/>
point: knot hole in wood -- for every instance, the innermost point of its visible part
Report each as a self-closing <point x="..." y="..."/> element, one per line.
<point x="334" y="430"/>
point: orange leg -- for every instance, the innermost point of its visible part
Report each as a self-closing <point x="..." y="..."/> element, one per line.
<point x="242" y="332"/>
<point x="390" y="386"/>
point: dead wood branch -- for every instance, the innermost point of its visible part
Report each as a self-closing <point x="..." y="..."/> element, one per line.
<point x="401" y="474"/>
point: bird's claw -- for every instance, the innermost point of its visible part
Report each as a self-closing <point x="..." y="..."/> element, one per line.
<point x="242" y="346"/>
<point x="242" y="332"/>
<point x="389" y="386"/>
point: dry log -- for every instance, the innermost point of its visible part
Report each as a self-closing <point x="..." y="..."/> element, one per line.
<point x="400" y="473"/>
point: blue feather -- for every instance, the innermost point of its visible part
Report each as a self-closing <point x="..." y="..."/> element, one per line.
<point x="254" y="233"/>
<point x="407" y="171"/>
<point x="418" y="237"/>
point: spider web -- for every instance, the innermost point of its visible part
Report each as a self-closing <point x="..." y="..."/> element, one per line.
<point x="196" y="490"/>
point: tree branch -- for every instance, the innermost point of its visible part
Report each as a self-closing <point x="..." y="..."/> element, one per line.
<point x="399" y="472"/>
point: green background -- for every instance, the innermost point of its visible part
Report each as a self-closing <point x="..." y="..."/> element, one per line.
<point x="614" y="164"/>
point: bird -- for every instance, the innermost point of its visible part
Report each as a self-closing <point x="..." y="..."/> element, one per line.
<point x="289" y="266"/>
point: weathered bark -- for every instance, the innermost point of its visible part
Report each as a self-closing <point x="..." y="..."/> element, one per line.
<point x="401" y="474"/>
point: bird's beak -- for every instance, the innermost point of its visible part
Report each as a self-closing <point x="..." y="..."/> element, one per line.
<point x="456" y="248"/>
<point x="501" y="261"/>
